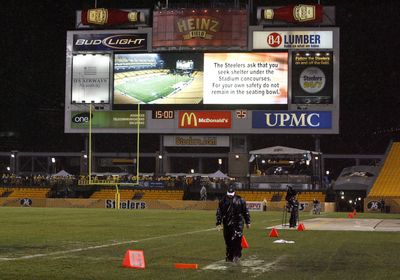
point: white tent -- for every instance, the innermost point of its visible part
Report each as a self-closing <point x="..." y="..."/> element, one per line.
<point x="61" y="173"/>
<point x="279" y="150"/>
<point x="218" y="174"/>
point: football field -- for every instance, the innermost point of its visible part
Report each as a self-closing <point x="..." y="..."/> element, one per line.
<point x="149" y="89"/>
<point x="65" y="243"/>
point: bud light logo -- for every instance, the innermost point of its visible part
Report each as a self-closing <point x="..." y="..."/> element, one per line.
<point x="81" y="118"/>
<point x="287" y="119"/>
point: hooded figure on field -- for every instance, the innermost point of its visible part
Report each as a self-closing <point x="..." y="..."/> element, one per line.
<point x="231" y="213"/>
<point x="292" y="206"/>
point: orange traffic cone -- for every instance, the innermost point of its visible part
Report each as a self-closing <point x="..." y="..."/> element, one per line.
<point x="273" y="233"/>
<point x="350" y="215"/>
<point x="134" y="259"/>
<point x="301" y="227"/>
<point x="245" y="245"/>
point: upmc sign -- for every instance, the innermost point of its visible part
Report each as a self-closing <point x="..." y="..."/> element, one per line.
<point x="294" y="119"/>
<point x="205" y="119"/>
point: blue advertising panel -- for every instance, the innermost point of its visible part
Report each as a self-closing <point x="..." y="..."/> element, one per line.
<point x="292" y="119"/>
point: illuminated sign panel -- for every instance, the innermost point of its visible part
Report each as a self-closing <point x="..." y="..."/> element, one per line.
<point x="292" y="119"/>
<point x="200" y="28"/>
<point x="91" y="78"/>
<point x="312" y="77"/>
<point x="299" y="39"/>
<point x="245" y="78"/>
<point x="205" y="119"/>
<point x="107" y="119"/>
<point x="201" y="78"/>
<point x="104" y="42"/>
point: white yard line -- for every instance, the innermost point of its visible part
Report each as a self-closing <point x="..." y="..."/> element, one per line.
<point x="102" y="246"/>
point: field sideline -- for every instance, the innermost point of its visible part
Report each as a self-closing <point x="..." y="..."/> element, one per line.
<point x="62" y="243"/>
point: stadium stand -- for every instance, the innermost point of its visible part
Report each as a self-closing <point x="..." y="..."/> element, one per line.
<point x="162" y="195"/>
<point x="387" y="182"/>
<point x="29" y="192"/>
<point x="279" y="196"/>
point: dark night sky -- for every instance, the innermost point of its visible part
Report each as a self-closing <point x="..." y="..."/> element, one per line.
<point x="33" y="71"/>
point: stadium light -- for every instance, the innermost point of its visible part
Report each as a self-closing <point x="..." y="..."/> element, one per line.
<point x="342" y="197"/>
<point x="263" y="161"/>
<point x="85" y="156"/>
<point x="159" y="156"/>
<point x="53" y="160"/>
<point x="350" y="201"/>
<point x="8" y="168"/>
<point x="237" y="156"/>
<point x="192" y="170"/>
<point x="220" y="161"/>
<point x="12" y="155"/>
<point x="327" y="172"/>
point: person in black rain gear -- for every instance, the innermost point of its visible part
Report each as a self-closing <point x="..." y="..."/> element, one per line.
<point x="231" y="213"/>
<point x="293" y="206"/>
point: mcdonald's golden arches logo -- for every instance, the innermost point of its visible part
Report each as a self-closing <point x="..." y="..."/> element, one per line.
<point x="205" y="119"/>
<point x="187" y="119"/>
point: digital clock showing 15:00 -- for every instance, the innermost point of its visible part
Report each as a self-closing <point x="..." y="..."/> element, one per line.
<point x="163" y="114"/>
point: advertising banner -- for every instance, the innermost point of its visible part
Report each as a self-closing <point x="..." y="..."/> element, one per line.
<point x="292" y="119"/>
<point x="107" y="119"/>
<point x="312" y="78"/>
<point x="205" y="119"/>
<point x="106" y="42"/>
<point x="296" y="39"/>
<point x="200" y="29"/>
<point x="196" y="141"/>
<point x="254" y="205"/>
<point x="245" y="78"/>
<point x="91" y="79"/>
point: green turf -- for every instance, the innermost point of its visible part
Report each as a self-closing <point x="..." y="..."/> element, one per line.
<point x="166" y="239"/>
<point x="150" y="89"/>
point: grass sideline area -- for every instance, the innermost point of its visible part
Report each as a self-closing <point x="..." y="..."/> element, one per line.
<point x="66" y="238"/>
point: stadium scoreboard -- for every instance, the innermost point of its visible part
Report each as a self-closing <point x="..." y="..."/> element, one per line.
<point x="286" y="82"/>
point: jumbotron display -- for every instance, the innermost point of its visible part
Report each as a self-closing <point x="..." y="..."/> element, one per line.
<point x="201" y="78"/>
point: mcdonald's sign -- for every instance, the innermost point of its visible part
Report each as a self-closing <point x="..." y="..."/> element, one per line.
<point x="205" y="119"/>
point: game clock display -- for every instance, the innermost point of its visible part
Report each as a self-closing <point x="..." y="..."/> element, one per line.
<point x="163" y="114"/>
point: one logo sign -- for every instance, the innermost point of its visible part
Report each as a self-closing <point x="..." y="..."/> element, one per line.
<point x="205" y="119"/>
<point x="374" y="205"/>
<point x="241" y="114"/>
<point x="81" y="118"/>
<point x="88" y="42"/>
<point x="287" y="119"/>
<point x="26" y="202"/>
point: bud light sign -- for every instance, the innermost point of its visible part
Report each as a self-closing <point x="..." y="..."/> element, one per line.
<point x="287" y="119"/>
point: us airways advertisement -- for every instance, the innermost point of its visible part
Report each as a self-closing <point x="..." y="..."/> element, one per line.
<point x="292" y="119"/>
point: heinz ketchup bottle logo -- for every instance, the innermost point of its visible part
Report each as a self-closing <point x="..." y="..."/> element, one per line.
<point x="274" y="40"/>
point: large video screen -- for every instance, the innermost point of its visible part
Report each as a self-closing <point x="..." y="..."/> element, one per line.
<point x="205" y="79"/>
<point x="151" y="78"/>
